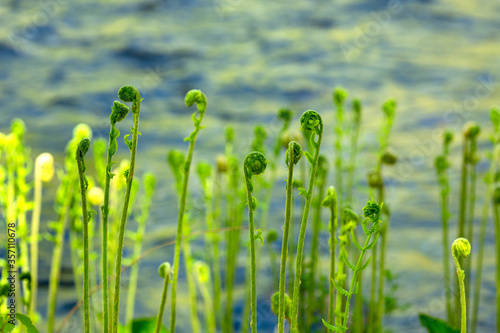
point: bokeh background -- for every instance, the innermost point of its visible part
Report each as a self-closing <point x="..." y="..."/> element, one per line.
<point x="62" y="62"/>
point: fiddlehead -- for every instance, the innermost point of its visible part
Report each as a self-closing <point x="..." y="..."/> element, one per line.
<point x="296" y="152"/>
<point x="255" y="163"/>
<point x="461" y="249"/>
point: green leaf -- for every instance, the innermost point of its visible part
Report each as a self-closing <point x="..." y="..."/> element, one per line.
<point x="364" y="266"/>
<point x="347" y="262"/>
<point x="303" y="191"/>
<point x="355" y="241"/>
<point x="143" y="325"/>
<point x="372" y="243"/>
<point x="333" y="328"/>
<point x="339" y="288"/>
<point x="8" y="326"/>
<point x="436" y="325"/>
<point x="356" y="288"/>
<point x="309" y="157"/>
<point x="26" y="321"/>
<point x="258" y="235"/>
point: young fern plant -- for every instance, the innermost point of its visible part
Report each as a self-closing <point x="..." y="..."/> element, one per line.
<point x="44" y="171"/>
<point x="472" y="132"/>
<point x="202" y="277"/>
<point x="349" y="221"/>
<point x="321" y="177"/>
<point x="255" y="164"/>
<point x="339" y="96"/>
<point x="192" y="97"/>
<point x="461" y="249"/>
<point x="83" y="148"/>
<point x="489" y="180"/>
<point x="165" y="271"/>
<point x="127" y="94"/>
<point x="293" y="155"/>
<point x="371" y="212"/>
<point x="310" y="120"/>
<point x="118" y="113"/>
<point x="177" y="160"/>
<point x="355" y="129"/>
<point x="496" y="210"/>
<point x="138" y="237"/>
<point x="63" y="204"/>
<point x="330" y="202"/>
<point x="442" y="165"/>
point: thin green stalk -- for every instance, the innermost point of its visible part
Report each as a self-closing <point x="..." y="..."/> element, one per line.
<point x="149" y="186"/>
<point x="330" y="201"/>
<point x="255" y="163"/>
<point x="461" y="249"/>
<point x="215" y="247"/>
<point x="176" y="160"/>
<point x="294" y="154"/>
<point x="82" y="149"/>
<point x="442" y="165"/>
<point x="64" y="202"/>
<point x="118" y="113"/>
<point x="339" y="96"/>
<point x="373" y="283"/>
<point x="202" y="275"/>
<point x="371" y="212"/>
<point x="164" y="271"/>
<point x="388" y="158"/>
<point x="316" y="226"/>
<point x="55" y="268"/>
<point x="236" y="202"/>
<point x="495" y="115"/>
<point x="188" y="259"/>
<point x="193" y="96"/>
<point x="462" y="210"/>
<point x="310" y="120"/>
<point x="496" y="210"/>
<point x="44" y="171"/>
<point x="356" y="124"/>
<point x="270" y="239"/>
<point x="353" y="284"/>
<point x="349" y="221"/>
<point x="126" y="94"/>
<point x="472" y="132"/>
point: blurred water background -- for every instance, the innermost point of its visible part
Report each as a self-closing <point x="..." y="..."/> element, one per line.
<point x="62" y="62"/>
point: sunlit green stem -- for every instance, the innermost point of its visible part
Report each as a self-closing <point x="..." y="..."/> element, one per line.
<point x="318" y="128"/>
<point x="85" y="222"/>
<point x="55" y="268"/>
<point x="496" y="210"/>
<point x="149" y="183"/>
<point x="462" y="209"/>
<point x="482" y="235"/>
<point x="161" y="309"/>
<point x="35" y="225"/>
<point x="124" y="214"/>
<point x="284" y="247"/>
<point x="194" y="96"/>
<point x="316" y="226"/>
<point x="254" y="164"/>
<point x="461" y="249"/>
<point x="333" y="243"/>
